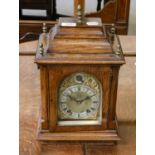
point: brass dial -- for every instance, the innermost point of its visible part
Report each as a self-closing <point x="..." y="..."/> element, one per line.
<point x="79" y="97"/>
<point x="79" y="102"/>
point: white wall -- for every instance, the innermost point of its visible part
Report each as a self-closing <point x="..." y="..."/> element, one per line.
<point x="132" y="18"/>
<point x="66" y="6"/>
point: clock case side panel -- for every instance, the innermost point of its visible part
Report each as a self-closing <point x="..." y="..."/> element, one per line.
<point x="57" y="73"/>
<point x="44" y="83"/>
<point x="112" y="117"/>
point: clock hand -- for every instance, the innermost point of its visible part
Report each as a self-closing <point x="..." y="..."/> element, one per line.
<point x="91" y="96"/>
<point x="86" y="98"/>
<point x="72" y="98"/>
<point x="80" y="101"/>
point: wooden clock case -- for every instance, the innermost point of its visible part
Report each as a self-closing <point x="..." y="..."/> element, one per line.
<point x="84" y="48"/>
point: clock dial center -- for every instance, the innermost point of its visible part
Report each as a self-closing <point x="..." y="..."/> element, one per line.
<point x="80" y="100"/>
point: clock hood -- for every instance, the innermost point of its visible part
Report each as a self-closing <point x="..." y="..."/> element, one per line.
<point x="88" y="43"/>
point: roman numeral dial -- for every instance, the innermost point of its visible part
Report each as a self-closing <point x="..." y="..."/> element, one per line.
<point x="79" y="98"/>
<point x="79" y="102"/>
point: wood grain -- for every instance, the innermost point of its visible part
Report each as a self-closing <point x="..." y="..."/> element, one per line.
<point x="65" y="56"/>
<point x="128" y="44"/>
<point x="107" y="14"/>
<point x="29" y="113"/>
<point x="126" y="85"/>
<point x="126" y="100"/>
<point x="57" y="74"/>
<point x="127" y="146"/>
<point x="32" y="27"/>
<point x="63" y="149"/>
<point x="44" y="89"/>
<point x="29" y="106"/>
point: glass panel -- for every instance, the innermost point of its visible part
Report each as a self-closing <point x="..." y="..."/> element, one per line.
<point x="79" y="100"/>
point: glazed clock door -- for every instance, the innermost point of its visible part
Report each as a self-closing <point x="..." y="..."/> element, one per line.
<point x="78" y="97"/>
<point x="80" y="100"/>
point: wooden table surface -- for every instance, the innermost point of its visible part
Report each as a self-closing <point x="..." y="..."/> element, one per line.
<point x="29" y="112"/>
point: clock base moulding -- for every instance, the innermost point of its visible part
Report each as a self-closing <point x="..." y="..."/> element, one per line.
<point x="107" y="136"/>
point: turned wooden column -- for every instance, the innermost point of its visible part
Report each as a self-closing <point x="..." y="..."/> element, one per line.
<point x="79" y="2"/>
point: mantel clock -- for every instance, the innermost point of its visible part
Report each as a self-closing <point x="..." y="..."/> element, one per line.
<point x="79" y="62"/>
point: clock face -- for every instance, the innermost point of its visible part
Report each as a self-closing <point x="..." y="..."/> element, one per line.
<point x="79" y="102"/>
<point x="79" y="98"/>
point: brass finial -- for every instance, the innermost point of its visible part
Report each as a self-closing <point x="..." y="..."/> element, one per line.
<point x="41" y="49"/>
<point x="44" y="28"/>
<point x="118" y="50"/>
<point x="113" y="29"/>
<point x="79" y="14"/>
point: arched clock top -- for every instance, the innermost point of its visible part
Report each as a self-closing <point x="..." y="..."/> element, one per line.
<point x="79" y="97"/>
<point x="81" y="78"/>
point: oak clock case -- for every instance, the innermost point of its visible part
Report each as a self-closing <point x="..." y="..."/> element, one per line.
<point x="79" y="67"/>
